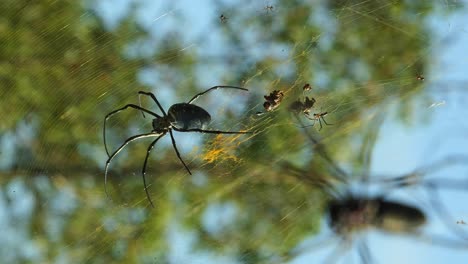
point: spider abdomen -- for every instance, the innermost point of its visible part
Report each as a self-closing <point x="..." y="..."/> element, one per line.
<point x="397" y="217"/>
<point x="188" y="116"/>
<point x="352" y="214"/>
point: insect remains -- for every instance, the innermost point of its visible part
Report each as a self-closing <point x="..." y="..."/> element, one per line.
<point x="320" y="118"/>
<point x="307" y="87"/>
<point x="181" y="117"/>
<point x="298" y="107"/>
<point x="272" y="101"/>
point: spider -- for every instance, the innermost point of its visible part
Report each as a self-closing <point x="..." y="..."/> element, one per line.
<point x="181" y="117"/>
<point x="349" y="213"/>
<point x="223" y="18"/>
<point x="269" y="8"/>
<point x="320" y="118"/>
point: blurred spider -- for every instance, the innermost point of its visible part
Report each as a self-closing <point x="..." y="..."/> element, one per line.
<point x="223" y="18"/>
<point x="320" y="118"/>
<point x="269" y="8"/>
<point x="307" y="87"/>
<point x="181" y="117"/>
<point x="272" y="101"/>
<point x="349" y="214"/>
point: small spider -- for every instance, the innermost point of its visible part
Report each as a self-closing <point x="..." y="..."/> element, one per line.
<point x="223" y="18"/>
<point x="306" y="87"/>
<point x="320" y="118"/>
<point x="298" y="107"/>
<point x="420" y="78"/>
<point x="272" y="101"/>
<point x="181" y="117"/>
<point x="269" y="8"/>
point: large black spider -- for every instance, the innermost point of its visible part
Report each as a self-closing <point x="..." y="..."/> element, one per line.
<point x="181" y="117"/>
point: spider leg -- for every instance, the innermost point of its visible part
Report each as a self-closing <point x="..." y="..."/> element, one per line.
<point x="139" y="103"/>
<point x="313" y="122"/>
<point x="317" y="244"/>
<point x="441" y="241"/>
<point x="143" y="172"/>
<point x="364" y="252"/>
<point x="340" y="249"/>
<point x="320" y="123"/>
<point x="341" y="175"/>
<point x="444" y="215"/>
<point x="307" y="115"/>
<point x="215" y="88"/>
<point x="111" y="157"/>
<point x="154" y="99"/>
<point x="121" y="109"/>
<point x="417" y="176"/>
<point x="323" y="119"/>
<point x="177" y="152"/>
<point x="210" y="131"/>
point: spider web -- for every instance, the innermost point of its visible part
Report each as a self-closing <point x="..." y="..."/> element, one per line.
<point x="389" y="74"/>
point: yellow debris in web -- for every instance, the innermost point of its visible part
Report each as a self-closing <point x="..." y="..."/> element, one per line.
<point x="222" y="148"/>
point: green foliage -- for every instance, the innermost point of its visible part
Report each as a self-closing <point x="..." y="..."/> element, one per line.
<point x="58" y="64"/>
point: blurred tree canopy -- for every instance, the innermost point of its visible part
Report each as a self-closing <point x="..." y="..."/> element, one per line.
<point x="62" y="70"/>
<point x="57" y="62"/>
